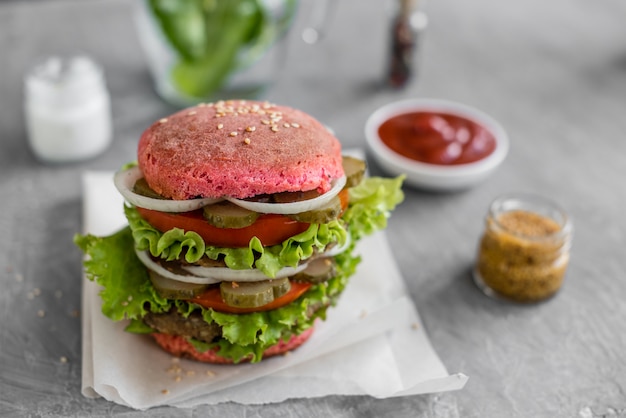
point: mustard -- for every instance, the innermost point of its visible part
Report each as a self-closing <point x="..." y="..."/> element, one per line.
<point x="524" y="252"/>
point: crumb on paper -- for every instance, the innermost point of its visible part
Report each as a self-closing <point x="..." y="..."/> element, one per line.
<point x="165" y="392"/>
<point x="210" y="373"/>
<point x="178" y="373"/>
<point x="174" y="368"/>
<point x="63" y="359"/>
<point x="363" y="314"/>
<point x="33" y="294"/>
<point x="415" y="325"/>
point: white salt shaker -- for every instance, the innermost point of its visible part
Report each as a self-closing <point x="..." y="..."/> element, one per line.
<point x="67" y="110"/>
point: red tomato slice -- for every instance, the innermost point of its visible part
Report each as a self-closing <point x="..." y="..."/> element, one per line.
<point x="344" y="197"/>
<point x="212" y="298"/>
<point x="270" y="229"/>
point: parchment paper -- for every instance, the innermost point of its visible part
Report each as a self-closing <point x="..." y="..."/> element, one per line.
<point x="372" y="343"/>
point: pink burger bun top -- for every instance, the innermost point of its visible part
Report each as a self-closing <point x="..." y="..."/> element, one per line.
<point x="238" y="149"/>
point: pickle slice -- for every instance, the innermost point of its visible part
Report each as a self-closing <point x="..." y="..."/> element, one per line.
<point x="225" y="214"/>
<point x="173" y="289"/>
<point x="317" y="271"/>
<point x="321" y="215"/>
<point x="141" y="187"/>
<point x="253" y="294"/>
<point x="354" y="170"/>
<point x="289" y="197"/>
<point x="261" y="198"/>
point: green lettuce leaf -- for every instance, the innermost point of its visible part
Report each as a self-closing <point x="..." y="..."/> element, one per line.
<point x="371" y="203"/>
<point x="169" y="245"/>
<point x="127" y="292"/>
<point x="289" y="253"/>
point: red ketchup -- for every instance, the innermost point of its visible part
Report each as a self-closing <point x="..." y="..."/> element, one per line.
<point x="437" y="138"/>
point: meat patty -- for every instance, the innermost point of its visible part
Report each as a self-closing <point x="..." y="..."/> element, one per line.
<point x="194" y="326"/>
<point x="174" y="323"/>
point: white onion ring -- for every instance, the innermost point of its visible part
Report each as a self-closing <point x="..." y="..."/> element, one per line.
<point x="157" y="268"/>
<point x="292" y="207"/>
<point x="125" y="180"/>
<point x="338" y="249"/>
<point x="253" y="275"/>
<point x="211" y="275"/>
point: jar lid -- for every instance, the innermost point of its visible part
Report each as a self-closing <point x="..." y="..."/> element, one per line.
<point x="533" y="205"/>
<point x="64" y="82"/>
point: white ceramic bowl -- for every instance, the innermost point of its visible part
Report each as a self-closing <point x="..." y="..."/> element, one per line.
<point x="435" y="176"/>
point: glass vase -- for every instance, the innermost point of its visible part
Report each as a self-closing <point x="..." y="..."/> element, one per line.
<point x="208" y="50"/>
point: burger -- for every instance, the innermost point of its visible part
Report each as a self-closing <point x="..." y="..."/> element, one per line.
<point x="243" y="217"/>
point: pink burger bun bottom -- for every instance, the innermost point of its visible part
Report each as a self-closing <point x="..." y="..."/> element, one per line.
<point x="180" y="347"/>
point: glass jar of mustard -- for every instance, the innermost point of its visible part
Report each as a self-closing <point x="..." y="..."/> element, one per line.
<point x="524" y="251"/>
